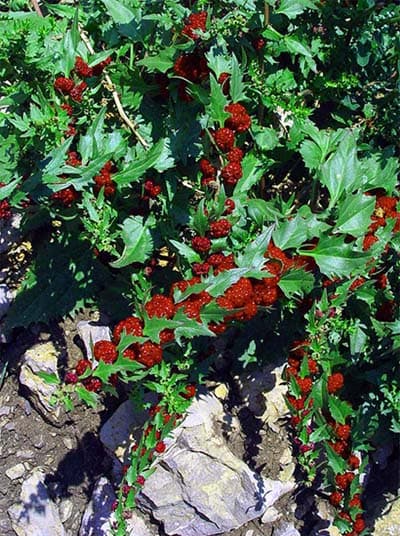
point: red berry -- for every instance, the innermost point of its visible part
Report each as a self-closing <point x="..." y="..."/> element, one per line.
<point x="201" y="244"/>
<point x="63" y="84"/>
<point x="355" y="502"/>
<point x="258" y="43"/>
<point x="223" y="79"/>
<point x="67" y="108"/>
<point x="71" y="378"/>
<point x="343" y="481"/>
<point x="65" y="197"/>
<point x="231" y="173"/>
<point x="140" y="480"/>
<point x="335" y="382"/>
<point x="82" y="366"/>
<point x="76" y="92"/>
<point x="354" y="461"/>
<point x="201" y="268"/>
<point x="229" y="206"/>
<point x="82" y="69"/>
<point x="335" y="498"/>
<point x="160" y="306"/>
<point x="105" y="351"/>
<point x="190" y="391"/>
<point x="131" y="325"/>
<point x="343" y="431"/>
<point x="207" y="169"/>
<point x="160" y="447"/>
<point x="220" y="228"/>
<point x="359" y="524"/>
<point x="305" y="385"/>
<point x="92" y="384"/>
<point x="235" y="155"/>
<point x="99" y="68"/>
<point x="195" y="21"/>
<point x="224" y="139"/>
<point x="149" y="354"/>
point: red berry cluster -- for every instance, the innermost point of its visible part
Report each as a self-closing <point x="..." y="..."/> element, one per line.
<point x="67" y="196"/>
<point x="195" y="21"/>
<point x="103" y="180"/>
<point x="192" y="66"/>
<point x="70" y="87"/>
<point x="385" y="208"/>
<point x="5" y="207"/>
<point x="152" y="190"/>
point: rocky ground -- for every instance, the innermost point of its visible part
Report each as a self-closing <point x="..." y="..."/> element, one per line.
<point x="228" y="469"/>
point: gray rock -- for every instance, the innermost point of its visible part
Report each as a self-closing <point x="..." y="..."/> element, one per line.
<point x="41" y="358"/>
<point x="286" y="529"/>
<point x="6" y="298"/>
<point x="15" y="472"/>
<point x="66" y="508"/>
<point x="90" y="333"/>
<point x="388" y="524"/>
<point x="10" y="232"/>
<point x="36" y="515"/>
<point x="200" y="488"/>
<point x="96" y="518"/>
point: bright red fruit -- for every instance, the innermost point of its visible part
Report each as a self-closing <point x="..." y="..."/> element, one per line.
<point x="105" y="351"/>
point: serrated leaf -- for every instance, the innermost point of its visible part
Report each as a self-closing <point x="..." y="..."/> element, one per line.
<point x="336" y="462"/>
<point x="119" y="12"/>
<point x="339" y="409"/>
<point x="218" y="101"/>
<point x="292" y="8"/>
<point x="161" y="62"/>
<point x="253" y="255"/>
<point x="253" y="170"/>
<point x="137" y="240"/>
<point x="295" y="47"/>
<point x="156" y="156"/>
<point x="51" y="379"/>
<point x="355" y="214"/>
<point x="335" y="258"/>
<point x="296" y="282"/>
<point x="186" y="252"/>
<point x="249" y="355"/>
<point x="236" y="85"/>
<point x="291" y="233"/>
<point x="341" y="173"/>
<point x="86" y="396"/>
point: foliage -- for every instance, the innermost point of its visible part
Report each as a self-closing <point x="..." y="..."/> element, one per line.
<point x="189" y="167"/>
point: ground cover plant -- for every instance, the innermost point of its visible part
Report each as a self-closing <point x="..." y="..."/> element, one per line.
<point x="191" y="167"/>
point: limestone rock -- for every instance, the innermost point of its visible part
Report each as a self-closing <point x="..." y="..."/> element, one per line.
<point x="10" y="232"/>
<point x="41" y="358"/>
<point x="90" y="333"/>
<point x="286" y="529"/>
<point x="15" y="472"/>
<point x="96" y="518"/>
<point x="200" y="488"/>
<point x="36" y="515"/>
<point x="389" y="523"/>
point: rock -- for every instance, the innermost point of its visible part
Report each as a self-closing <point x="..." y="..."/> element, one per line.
<point x="91" y="332"/>
<point x="271" y="515"/>
<point x="10" y="232"/>
<point x="66" y="508"/>
<point x="263" y="392"/>
<point x="389" y="523"/>
<point x="98" y="516"/>
<point x="96" y="519"/>
<point x="221" y="391"/>
<point x="201" y="488"/>
<point x="6" y="298"/>
<point x="117" y="434"/>
<point x="286" y="529"/>
<point x="15" y="472"/>
<point x="36" y="515"/>
<point x="41" y="358"/>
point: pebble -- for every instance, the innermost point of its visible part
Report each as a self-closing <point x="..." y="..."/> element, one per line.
<point x="68" y="442"/>
<point x="5" y="410"/>
<point x="26" y="453"/>
<point x="65" y="510"/>
<point x="27" y="407"/>
<point x="10" y="427"/>
<point x="17" y="471"/>
<point x="39" y="442"/>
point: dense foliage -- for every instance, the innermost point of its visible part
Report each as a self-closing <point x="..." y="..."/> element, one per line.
<point x="189" y="167"/>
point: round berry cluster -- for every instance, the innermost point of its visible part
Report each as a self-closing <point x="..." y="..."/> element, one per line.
<point x="195" y="21"/>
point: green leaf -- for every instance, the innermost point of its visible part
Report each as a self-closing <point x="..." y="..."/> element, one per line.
<point x="138" y="242"/>
<point x="236" y="85"/>
<point x="266" y="138"/>
<point x="156" y="156"/>
<point x="339" y="409"/>
<point x="295" y="47"/>
<point x="296" y="282"/>
<point x="86" y="396"/>
<point x="336" y="462"/>
<point x="355" y="214"/>
<point x="218" y="102"/>
<point x="341" y="173"/>
<point x="335" y="258"/>
<point x="51" y="379"/>
<point x="249" y="355"/>
<point x="161" y="62"/>
<point x="292" y="8"/>
<point x="119" y="12"/>
<point x="253" y="170"/>
<point x="260" y="211"/>
<point x="291" y="233"/>
<point x="186" y="252"/>
<point x="253" y="255"/>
